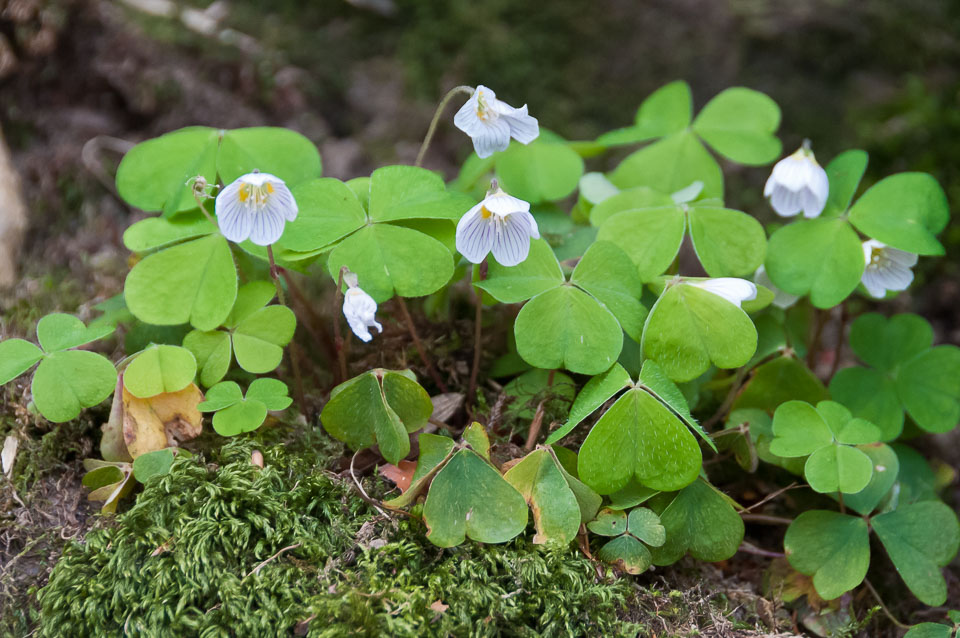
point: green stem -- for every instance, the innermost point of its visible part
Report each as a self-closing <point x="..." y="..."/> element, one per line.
<point x="436" y="119"/>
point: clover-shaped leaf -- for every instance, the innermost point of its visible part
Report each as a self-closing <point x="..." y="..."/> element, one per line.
<point x="740" y="123"/>
<point x="844" y="173"/>
<point x="670" y="164"/>
<point x="235" y="414"/>
<point x="628" y="551"/>
<point x="160" y="369"/>
<point x="607" y="273"/>
<point x="700" y="521"/>
<point x="906" y="211"/>
<point x="560" y="502"/>
<point x="630" y="199"/>
<point x="728" y="243"/>
<point x="379" y="406"/>
<point x="544" y="170"/>
<point x="151" y="464"/>
<point x="538" y="273"/>
<point x="833" y="548"/>
<point x="156" y="232"/>
<point x="667" y="110"/>
<point x="662" y="229"/>
<point x="108" y="482"/>
<point x="594" y="394"/>
<point x="886" y="469"/>
<point x="930" y="630"/>
<point x="775" y="382"/>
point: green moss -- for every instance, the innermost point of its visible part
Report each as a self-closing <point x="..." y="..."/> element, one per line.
<point x="183" y="561"/>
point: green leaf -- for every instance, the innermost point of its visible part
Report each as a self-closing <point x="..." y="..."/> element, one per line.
<point x="886" y="467"/>
<point x="68" y="381"/>
<point x="800" y="430"/>
<point x="689" y="328"/>
<point x="16" y="357"/>
<point x="780" y="380"/>
<point x="870" y="395"/>
<point x="60" y="331"/>
<point x="669" y="165"/>
<point x="259" y="339"/>
<point x="408" y="399"/>
<point x="595" y="188"/>
<point x="566" y="328"/>
<point x="556" y="512"/>
<point x="157" y="232"/>
<point x="662" y="230"/>
<point x="538" y="273"/>
<point x="728" y="243"/>
<point x="212" y="351"/>
<point x="594" y="394"/>
<point x="699" y="521"/>
<point x="243" y="416"/>
<point x="194" y="282"/>
<point x="469" y="498"/>
<point x="434" y="449"/>
<point x="638" y="437"/>
<point x="607" y="273"/>
<point x="739" y="123"/>
<point x="916" y="479"/>
<point x="409" y="192"/>
<point x="251" y="297"/>
<point x="929" y="630"/>
<point x="535" y="385"/>
<point x="392" y="260"/>
<point x="221" y="396"/>
<point x="906" y="211"/>
<point x="151" y="464"/>
<point x="540" y="171"/>
<point x="646" y="526"/>
<point x="328" y="212"/>
<point x="160" y="369"/>
<point x="929" y="388"/>
<point x="819" y="257"/>
<point x="656" y="381"/>
<point x="885" y="343"/>
<point x="627" y="554"/>
<point x="102" y="476"/>
<point x="844" y="173"/>
<point x="630" y="199"/>
<point x="273" y="393"/>
<point x="920" y="539"/>
<point x="667" y="110"/>
<point x="833" y="548"/>
<point x="834" y="468"/>
<point x="609" y="522"/>
<point x="278" y="151"/>
<point x="155" y="175"/>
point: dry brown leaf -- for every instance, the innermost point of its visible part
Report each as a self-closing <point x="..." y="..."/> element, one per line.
<point x="438" y="606"/>
<point x="401" y="474"/>
<point x="160" y="421"/>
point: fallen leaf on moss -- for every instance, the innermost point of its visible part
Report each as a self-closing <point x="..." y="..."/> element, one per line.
<point x="401" y="474"/>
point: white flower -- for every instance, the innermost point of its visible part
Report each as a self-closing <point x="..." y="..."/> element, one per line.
<point x="730" y="288"/>
<point x="781" y="299"/>
<point x="500" y="223"/>
<point x="798" y="183"/>
<point x="359" y="308"/>
<point x="255" y="207"/>
<point x="887" y="268"/>
<point x="491" y="123"/>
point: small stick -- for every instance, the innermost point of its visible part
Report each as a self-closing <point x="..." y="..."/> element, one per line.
<point x="363" y="492"/>
<point x="750" y="548"/>
<point x="772" y="496"/>
<point x="416" y="341"/>
<point x="337" y="337"/>
<point x="436" y="119"/>
<point x="261" y="565"/>
<point x="765" y="519"/>
<point x="886" y="611"/>
<point x="477" y="334"/>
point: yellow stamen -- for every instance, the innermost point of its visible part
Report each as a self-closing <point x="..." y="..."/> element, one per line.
<point x="269" y="187"/>
<point x="244" y="193"/>
<point x="485" y="213"/>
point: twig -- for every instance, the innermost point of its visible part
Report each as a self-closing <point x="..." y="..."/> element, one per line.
<point x="772" y="496"/>
<point x="436" y="119"/>
<point x="363" y="492"/>
<point x="886" y="611"/>
<point x="764" y="519"/>
<point x="749" y="548"/>
<point x="263" y="564"/>
<point x="337" y="337"/>
<point x="419" y="345"/>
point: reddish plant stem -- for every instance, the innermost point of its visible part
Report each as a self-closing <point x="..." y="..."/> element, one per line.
<point x="537" y="422"/>
<point x="838" y="349"/>
<point x="814" y="351"/>
<point x="427" y="361"/>
<point x="294" y="364"/>
<point x="477" y="334"/>
<point x="313" y="320"/>
<point x="337" y="337"/>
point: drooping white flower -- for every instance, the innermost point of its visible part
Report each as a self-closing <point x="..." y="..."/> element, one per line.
<point x="501" y="224"/>
<point x="255" y="206"/>
<point x="781" y="299"/>
<point x="359" y="308"/>
<point x="491" y="123"/>
<point x="798" y="183"/>
<point x="887" y="268"/>
<point x="732" y="289"/>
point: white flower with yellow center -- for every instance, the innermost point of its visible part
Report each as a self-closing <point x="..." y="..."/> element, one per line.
<point x="500" y="224"/>
<point x="887" y="268"/>
<point x="255" y="206"/>
<point x="359" y="308"/>
<point x="781" y="299"/>
<point x="491" y="123"/>
<point x="734" y="290"/>
<point x="798" y="183"/>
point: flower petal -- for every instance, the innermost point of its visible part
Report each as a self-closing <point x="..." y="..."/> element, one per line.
<point x="267" y="226"/>
<point x="511" y="244"/>
<point x="475" y="235"/>
<point x="491" y="136"/>
<point x="531" y="221"/>
<point x="233" y="217"/>
<point x="281" y="201"/>
<point x="732" y="289"/>
<point x="502" y="204"/>
<point x="523" y="127"/>
<point x="785" y="202"/>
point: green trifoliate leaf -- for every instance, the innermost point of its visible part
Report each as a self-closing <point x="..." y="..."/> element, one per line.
<point x="929" y="388"/>
<point x="689" y="328"/>
<point x="594" y="394"/>
<point x="886" y="468"/>
<point x="475" y="435"/>
<point x="844" y="173"/>
<point x="538" y="273"/>
<point x="273" y="393"/>
<point x="595" y="188"/>
<point x="328" y="211"/>
<point x="160" y="369"/>
<point x="728" y="243"/>
<point x="670" y="164"/>
<point x="157" y="232"/>
<point x="834" y="468"/>
<point x="833" y="548"/>
<point x="627" y="554"/>
<point x="259" y="339"/>
<point x="212" y="351"/>
<point x="872" y="396"/>
<point x="392" y="260"/>
<point x="819" y="257"/>
<point x="540" y="171"/>
<point x="609" y="522"/>
<point x="906" y="211"/>
<point x="916" y="479"/>
<point x="546" y="488"/>
<point x="646" y="526"/>
<point x="607" y="273"/>
<point x="68" y="381"/>
<point x="885" y="343"/>
<point x="151" y="464"/>
<point x="251" y="297"/>
<point x="221" y="396"/>
<point x="656" y="381"/>
<point x="630" y="496"/>
<point x="662" y="230"/>
<point x="434" y="452"/>
<point x="630" y="199"/>
<point x="278" y="151"/>
<point x="702" y="522"/>
<point x="194" y="282"/>
<point x="638" y="437"/>
<point x="409" y="192"/>
<point x="920" y="539"/>
<point x="16" y="357"/>
<point x="740" y="123"/>
<point x="783" y="379"/>
<point x="243" y="416"/>
<point x="536" y="385"/>
<point x="60" y="331"/>
<point x="929" y="630"/>
<point x="667" y="110"/>
<point x="567" y="328"/>
<point x="469" y="498"/>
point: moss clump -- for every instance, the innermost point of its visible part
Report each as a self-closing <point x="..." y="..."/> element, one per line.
<point x="183" y="561"/>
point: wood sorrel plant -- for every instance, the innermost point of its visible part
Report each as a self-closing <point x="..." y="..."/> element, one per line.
<point x="601" y="297"/>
